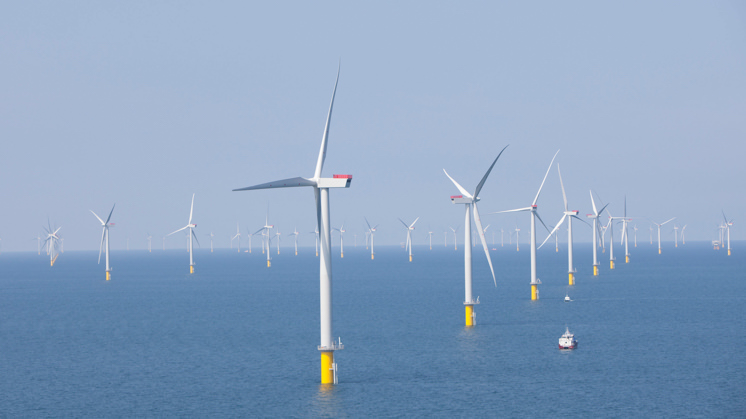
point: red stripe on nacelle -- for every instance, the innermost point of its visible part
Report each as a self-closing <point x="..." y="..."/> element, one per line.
<point x="456" y="196"/>
<point x="342" y="176"/>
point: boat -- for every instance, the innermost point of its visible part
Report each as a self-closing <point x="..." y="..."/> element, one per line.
<point x="567" y="298"/>
<point x="567" y="341"/>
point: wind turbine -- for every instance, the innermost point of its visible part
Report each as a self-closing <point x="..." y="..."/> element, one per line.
<point x="676" y="235"/>
<point x="455" y="242"/>
<point x="534" y="215"/>
<point x="105" y="239"/>
<point x="277" y="234"/>
<point x="316" y="233"/>
<point x="567" y="215"/>
<point x="659" y="232"/>
<point x="266" y="238"/>
<point x="52" y="242"/>
<point x="596" y="214"/>
<point x="321" y="188"/>
<point x="517" y="232"/>
<point x="149" y="247"/>
<point x="728" y="224"/>
<point x="190" y="229"/>
<point x="470" y="200"/>
<point x="683" y="240"/>
<point x="635" y="229"/>
<point x="250" y="235"/>
<point x="409" y="228"/>
<point x="372" y="231"/>
<point x="237" y="236"/>
<point x="625" y="233"/>
<point x="341" y="240"/>
<point x="430" y="233"/>
<point x="212" y="235"/>
<point x="295" y="237"/>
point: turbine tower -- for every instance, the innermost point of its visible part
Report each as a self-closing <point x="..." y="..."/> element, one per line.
<point x="532" y="210"/>
<point x="596" y="214"/>
<point x="190" y="228"/>
<point x="683" y="240"/>
<point x="659" y="232"/>
<point x="455" y="242"/>
<point x="321" y="188"/>
<point x="409" y="228"/>
<point x="105" y="240"/>
<point x="149" y="241"/>
<point x="569" y="215"/>
<point x="470" y="200"/>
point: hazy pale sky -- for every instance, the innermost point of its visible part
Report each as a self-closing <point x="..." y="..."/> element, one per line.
<point x="143" y="104"/>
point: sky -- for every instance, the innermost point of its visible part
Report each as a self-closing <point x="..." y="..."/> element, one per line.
<point x="143" y="104"/>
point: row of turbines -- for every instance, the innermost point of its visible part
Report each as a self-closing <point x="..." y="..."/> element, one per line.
<point x="321" y="187"/>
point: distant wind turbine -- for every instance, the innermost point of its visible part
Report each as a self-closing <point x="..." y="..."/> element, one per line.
<point x="659" y="232"/>
<point x="410" y="229"/>
<point x="105" y="240"/>
<point x="190" y="229"/>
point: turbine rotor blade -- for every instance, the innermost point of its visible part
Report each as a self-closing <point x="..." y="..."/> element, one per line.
<point x="478" y="223"/>
<point x="414" y="222"/>
<point x="191" y="210"/>
<point x="460" y="188"/>
<point x="545" y="178"/>
<point x="195" y="237"/>
<point x="669" y="220"/>
<point x="553" y="230"/>
<point x="97" y="217"/>
<point x="322" y="151"/>
<point x="101" y="246"/>
<point x="484" y="178"/>
<point x="542" y="221"/>
<point x="563" y="186"/>
<point x="110" y="212"/>
<point x="185" y="227"/>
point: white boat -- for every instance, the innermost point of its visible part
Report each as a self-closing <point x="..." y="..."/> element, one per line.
<point x="567" y="298"/>
<point x="567" y="341"/>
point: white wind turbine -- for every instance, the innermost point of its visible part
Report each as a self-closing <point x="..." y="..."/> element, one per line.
<point x="659" y="232"/>
<point x="277" y="234"/>
<point x="517" y="233"/>
<point x="265" y="238"/>
<point x="534" y="215"/>
<point x="295" y="237"/>
<point x="728" y="224"/>
<point x="341" y="239"/>
<point x="237" y="236"/>
<point x="683" y="240"/>
<point x="502" y="237"/>
<point x="567" y="215"/>
<point x="430" y="233"/>
<point x="676" y="235"/>
<point x="212" y="235"/>
<point x="372" y="231"/>
<point x="635" y="229"/>
<point x="105" y="240"/>
<point x="469" y="201"/>
<point x="596" y="214"/>
<point x="190" y="229"/>
<point x="149" y="238"/>
<point x="321" y="188"/>
<point x="250" y="235"/>
<point x="52" y="243"/>
<point x="455" y="242"/>
<point x="409" y="228"/>
<point x="625" y="233"/>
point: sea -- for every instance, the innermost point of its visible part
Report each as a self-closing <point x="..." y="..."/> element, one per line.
<point x="661" y="336"/>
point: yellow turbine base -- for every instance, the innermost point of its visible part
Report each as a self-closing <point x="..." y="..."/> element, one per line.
<point x="676" y="245"/>
<point x="595" y="270"/>
<point x="296" y="253"/>
<point x="108" y="275"/>
<point x="372" y="256"/>
<point x="317" y="253"/>
<point x="342" y="255"/>
<point x="572" y="279"/>
<point x="269" y="263"/>
<point x="469" y="315"/>
<point x="611" y="264"/>
<point x="659" y="251"/>
<point x="191" y="269"/>
<point x="410" y="258"/>
<point x="327" y="375"/>
<point x="728" y="252"/>
<point x="534" y="292"/>
<point x="626" y="259"/>
<point x="516" y="249"/>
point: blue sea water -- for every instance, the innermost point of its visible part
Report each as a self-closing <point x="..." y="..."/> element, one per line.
<point x="662" y="336"/>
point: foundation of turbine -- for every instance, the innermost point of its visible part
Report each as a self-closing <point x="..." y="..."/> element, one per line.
<point x="595" y="270"/>
<point x="572" y="278"/>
